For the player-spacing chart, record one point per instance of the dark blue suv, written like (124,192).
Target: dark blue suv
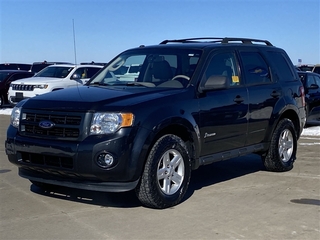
(311,83)
(193,102)
(8,76)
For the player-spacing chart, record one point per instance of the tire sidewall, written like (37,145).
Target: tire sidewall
(273,157)
(164,144)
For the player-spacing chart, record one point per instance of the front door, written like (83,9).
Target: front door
(223,112)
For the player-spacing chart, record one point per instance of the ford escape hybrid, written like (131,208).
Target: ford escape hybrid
(193,102)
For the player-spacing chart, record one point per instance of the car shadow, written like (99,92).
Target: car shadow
(202,177)
(223,171)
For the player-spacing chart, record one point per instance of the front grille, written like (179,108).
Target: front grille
(22,87)
(57,132)
(47,160)
(64,125)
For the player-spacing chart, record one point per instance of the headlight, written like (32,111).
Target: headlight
(41,86)
(15,117)
(104,123)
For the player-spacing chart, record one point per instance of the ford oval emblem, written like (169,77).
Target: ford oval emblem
(46,124)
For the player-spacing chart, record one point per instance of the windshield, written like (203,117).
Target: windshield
(55,72)
(150,68)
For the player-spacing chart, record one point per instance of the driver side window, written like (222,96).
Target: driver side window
(224,65)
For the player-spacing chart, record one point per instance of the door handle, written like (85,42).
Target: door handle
(275,94)
(238,99)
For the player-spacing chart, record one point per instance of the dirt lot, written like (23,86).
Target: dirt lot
(235,199)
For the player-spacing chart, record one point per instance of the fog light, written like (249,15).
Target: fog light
(105,160)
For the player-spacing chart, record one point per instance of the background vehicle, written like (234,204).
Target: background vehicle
(311,83)
(38,66)
(51,78)
(316,68)
(194,102)
(6,77)
(15,66)
(93,63)
(128,72)
(305,67)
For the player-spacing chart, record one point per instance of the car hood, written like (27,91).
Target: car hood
(37,80)
(94,98)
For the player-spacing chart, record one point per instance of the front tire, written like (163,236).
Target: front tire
(282,151)
(166,175)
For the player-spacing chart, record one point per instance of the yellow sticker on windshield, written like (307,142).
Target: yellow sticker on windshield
(235,79)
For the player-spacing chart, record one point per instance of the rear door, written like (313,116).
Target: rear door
(264,93)
(312,91)
(223,112)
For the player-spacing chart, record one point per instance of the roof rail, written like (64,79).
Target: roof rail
(217,40)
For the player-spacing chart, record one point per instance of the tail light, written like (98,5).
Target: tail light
(302,94)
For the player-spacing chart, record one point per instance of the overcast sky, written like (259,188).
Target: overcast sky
(37,30)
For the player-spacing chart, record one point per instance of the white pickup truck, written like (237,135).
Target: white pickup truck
(51,78)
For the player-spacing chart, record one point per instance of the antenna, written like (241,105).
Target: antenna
(74,43)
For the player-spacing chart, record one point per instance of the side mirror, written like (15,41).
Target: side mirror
(215,82)
(313,86)
(76,76)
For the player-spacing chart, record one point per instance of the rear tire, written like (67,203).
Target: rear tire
(166,175)
(282,151)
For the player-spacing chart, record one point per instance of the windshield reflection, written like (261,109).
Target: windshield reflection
(149,68)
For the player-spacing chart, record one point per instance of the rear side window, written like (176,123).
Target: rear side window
(283,68)
(256,69)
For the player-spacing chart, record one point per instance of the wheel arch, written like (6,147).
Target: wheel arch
(145,139)
(187,135)
(57,88)
(292,115)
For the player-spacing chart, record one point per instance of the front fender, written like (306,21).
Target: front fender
(152,128)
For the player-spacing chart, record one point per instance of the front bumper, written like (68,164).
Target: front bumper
(74,164)
(80,184)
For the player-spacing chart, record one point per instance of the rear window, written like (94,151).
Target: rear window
(283,67)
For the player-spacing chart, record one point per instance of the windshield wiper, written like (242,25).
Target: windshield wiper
(145,84)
